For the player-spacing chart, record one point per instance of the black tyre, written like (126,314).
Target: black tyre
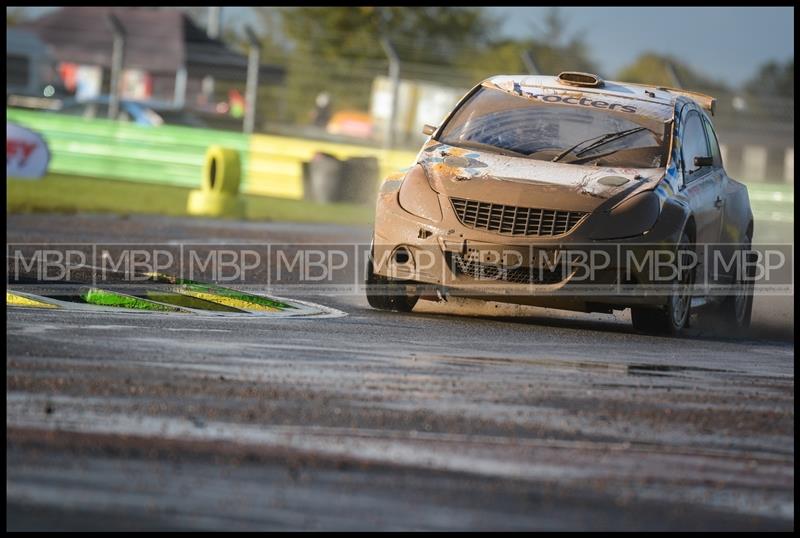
(672,318)
(736,309)
(387,294)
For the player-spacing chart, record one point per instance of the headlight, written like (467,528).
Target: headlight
(417,197)
(635,216)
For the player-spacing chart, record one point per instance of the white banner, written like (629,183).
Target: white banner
(27,155)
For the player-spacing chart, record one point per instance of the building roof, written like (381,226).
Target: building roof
(22,41)
(157,40)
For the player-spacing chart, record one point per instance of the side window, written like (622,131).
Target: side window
(713,142)
(694,145)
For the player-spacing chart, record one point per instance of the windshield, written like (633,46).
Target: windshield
(495,120)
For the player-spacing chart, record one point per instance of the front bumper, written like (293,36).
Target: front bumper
(569,271)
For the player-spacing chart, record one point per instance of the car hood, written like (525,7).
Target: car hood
(491,177)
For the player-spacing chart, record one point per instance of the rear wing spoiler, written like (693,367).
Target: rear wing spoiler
(705,101)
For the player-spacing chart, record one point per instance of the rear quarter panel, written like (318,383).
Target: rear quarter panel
(738,216)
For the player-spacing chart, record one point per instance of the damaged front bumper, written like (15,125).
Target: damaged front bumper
(570,271)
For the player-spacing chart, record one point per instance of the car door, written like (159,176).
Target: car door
(703,189)
(728,236)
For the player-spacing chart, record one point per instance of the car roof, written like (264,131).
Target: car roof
(653,94)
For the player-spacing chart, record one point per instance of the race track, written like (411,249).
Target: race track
(463,415)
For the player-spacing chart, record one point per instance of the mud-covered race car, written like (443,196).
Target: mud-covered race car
(528,174)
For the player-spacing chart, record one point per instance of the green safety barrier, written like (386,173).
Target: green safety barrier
(173,155)
(108,149)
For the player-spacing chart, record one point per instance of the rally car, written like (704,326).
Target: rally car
(526,168)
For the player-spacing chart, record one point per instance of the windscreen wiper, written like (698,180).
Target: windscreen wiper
(608,140)
(603,139)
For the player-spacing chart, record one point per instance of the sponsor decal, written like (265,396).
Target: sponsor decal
(27,154)
(660,111)
(584,101)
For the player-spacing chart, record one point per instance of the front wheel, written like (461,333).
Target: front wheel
(387,294)
(672,318)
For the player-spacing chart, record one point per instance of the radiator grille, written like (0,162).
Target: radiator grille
(461,265)
(514,220)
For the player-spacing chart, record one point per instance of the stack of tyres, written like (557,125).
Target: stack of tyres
(219,194)
(360,177)
(327,179)
(324,177)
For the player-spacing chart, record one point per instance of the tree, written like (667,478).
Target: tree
(551,50)
(773,79)
(338,49)
(429,34)
(505,57)
(555,25)
(660,70)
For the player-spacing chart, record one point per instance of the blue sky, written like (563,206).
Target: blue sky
(725,43)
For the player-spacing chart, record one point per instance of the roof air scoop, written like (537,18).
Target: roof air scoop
(576,78)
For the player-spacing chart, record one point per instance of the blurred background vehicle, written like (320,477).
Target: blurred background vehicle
(31,75)
(350,123)
(141,113)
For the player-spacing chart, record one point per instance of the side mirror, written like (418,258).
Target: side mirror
(703,161)
(428,129)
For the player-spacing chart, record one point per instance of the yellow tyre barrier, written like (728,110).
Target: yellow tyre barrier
(215,204)
(222,170)
(219,193)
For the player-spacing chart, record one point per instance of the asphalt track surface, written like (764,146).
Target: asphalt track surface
(458,416)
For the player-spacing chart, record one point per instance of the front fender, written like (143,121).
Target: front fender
(672,221)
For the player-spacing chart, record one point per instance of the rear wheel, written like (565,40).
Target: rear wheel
(672,318)
(388,294)
(736,309)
